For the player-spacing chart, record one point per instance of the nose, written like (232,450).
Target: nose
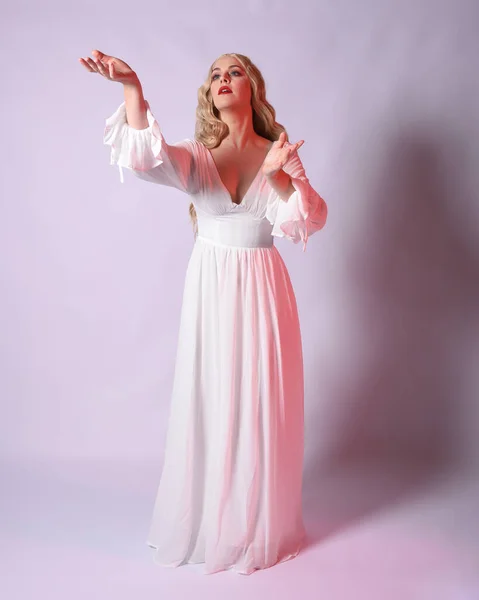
(223,79)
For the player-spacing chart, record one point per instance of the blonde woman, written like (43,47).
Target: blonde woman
(229,495)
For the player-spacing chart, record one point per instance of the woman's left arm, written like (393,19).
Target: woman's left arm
(294,207)
(281,183)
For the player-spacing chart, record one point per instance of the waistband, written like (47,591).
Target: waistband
(236,232)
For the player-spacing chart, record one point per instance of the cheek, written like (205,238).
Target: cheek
(244,86)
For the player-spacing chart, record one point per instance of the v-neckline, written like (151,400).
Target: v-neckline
(218,176)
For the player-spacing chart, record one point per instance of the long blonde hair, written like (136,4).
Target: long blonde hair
(210,130)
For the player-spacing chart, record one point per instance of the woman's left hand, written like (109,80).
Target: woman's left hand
(279,155)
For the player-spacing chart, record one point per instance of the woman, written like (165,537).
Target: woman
(230,490)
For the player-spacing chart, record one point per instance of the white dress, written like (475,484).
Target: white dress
(230,491)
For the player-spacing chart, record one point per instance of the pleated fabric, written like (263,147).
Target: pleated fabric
(229,495)
(230,490)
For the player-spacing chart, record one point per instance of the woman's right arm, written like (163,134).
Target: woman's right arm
(115,69)
(134,134)
(135,105)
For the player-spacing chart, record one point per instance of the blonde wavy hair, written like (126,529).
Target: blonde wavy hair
(210,130)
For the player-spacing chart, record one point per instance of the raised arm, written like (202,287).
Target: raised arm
(135,104)
(134,135)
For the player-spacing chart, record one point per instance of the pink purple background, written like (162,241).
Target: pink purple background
(385,95)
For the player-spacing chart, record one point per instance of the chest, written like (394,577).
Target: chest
(238,171)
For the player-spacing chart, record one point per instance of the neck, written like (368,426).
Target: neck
(241,132)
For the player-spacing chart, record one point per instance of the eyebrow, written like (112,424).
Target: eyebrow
(230,67)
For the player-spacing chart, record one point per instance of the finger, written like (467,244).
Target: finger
(86,65)
(101,68)
(99,55)
(92,64)
(282,139)
(296,146)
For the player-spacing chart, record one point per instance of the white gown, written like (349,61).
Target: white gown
(230,491)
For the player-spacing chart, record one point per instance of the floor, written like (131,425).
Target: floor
(77,530)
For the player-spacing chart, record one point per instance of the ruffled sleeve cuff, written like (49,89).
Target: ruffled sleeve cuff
(303,214)
(136,149)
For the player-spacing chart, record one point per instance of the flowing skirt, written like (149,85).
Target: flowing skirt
(230,491)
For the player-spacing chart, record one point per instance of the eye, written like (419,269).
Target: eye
(217,75)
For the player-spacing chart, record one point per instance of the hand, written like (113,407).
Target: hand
(113,69)
(279,155)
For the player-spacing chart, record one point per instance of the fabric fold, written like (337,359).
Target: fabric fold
(305,211)
(146,153)
(136,149)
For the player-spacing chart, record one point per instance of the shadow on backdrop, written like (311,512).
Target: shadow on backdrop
(399,419)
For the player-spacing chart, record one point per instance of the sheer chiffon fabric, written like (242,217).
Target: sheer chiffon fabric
(229,495)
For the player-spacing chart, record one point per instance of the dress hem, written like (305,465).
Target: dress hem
(204,571)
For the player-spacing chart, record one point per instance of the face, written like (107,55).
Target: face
(227,71)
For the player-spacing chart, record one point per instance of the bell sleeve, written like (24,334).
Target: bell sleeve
(305,211)
(146,153)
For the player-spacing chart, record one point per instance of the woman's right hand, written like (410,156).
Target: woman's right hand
(113,69)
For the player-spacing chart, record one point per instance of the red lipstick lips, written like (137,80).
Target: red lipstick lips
(224,87)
